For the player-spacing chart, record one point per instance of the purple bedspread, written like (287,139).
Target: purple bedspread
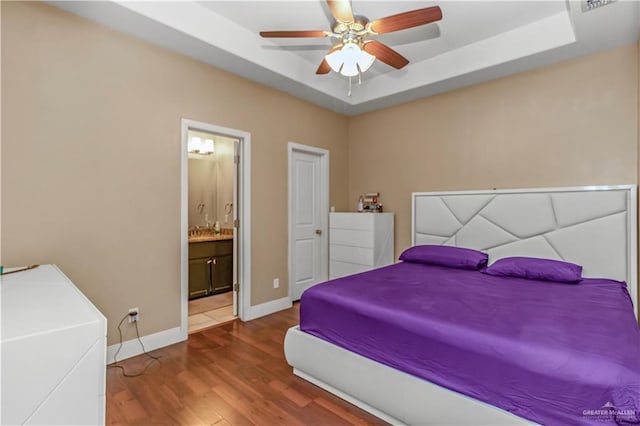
(549,352)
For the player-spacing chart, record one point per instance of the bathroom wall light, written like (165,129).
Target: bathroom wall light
(207,147)
(196,145)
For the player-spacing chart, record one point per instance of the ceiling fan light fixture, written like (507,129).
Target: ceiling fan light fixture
(350,60)
(347,57)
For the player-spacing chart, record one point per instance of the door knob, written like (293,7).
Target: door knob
(318,231)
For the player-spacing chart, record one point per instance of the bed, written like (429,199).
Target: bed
(594,227)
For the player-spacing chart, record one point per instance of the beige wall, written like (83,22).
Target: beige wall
(106,207)
(555,126)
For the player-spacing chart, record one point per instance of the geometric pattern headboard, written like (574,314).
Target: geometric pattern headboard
(595,227)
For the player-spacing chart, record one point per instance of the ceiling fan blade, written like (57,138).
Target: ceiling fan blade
(405,20)
(324,67)
(293,34)
(385,54)
(341,10)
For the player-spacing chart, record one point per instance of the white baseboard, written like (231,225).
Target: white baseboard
(267,308)
(131,348)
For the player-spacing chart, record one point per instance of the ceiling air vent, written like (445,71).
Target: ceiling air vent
(588,5)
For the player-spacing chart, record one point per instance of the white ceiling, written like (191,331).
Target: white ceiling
(475,41)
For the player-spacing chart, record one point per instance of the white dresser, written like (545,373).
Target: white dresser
(359,242)
(53,351)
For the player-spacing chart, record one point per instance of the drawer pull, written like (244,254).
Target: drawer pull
(318,231)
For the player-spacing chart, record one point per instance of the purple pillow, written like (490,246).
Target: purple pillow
(534,268)
(453,257)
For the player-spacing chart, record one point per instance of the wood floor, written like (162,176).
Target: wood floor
(234,374)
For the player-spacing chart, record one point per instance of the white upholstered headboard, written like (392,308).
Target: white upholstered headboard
(592,226)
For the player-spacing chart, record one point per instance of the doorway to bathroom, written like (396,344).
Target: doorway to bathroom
(214,237)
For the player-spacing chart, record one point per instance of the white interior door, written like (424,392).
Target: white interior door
(308,219)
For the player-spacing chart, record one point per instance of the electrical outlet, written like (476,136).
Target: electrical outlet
(276,282)
(134,314)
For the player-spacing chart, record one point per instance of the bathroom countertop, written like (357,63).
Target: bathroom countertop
(206,238)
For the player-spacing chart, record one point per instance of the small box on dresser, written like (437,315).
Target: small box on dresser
(53,351)
(359,242)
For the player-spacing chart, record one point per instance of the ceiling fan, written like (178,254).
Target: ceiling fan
(354,53)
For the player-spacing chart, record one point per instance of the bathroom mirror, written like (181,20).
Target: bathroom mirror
(210,179)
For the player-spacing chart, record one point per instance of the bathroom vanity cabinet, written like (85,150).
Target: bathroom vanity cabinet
(210,267)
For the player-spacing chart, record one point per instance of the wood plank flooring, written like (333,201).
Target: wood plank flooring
(234,374)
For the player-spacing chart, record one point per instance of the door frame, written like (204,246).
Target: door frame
(324,206)
(243,192)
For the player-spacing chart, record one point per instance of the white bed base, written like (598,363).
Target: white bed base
(392,395)
(593,226)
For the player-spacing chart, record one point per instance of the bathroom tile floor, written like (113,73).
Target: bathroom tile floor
(201,320)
